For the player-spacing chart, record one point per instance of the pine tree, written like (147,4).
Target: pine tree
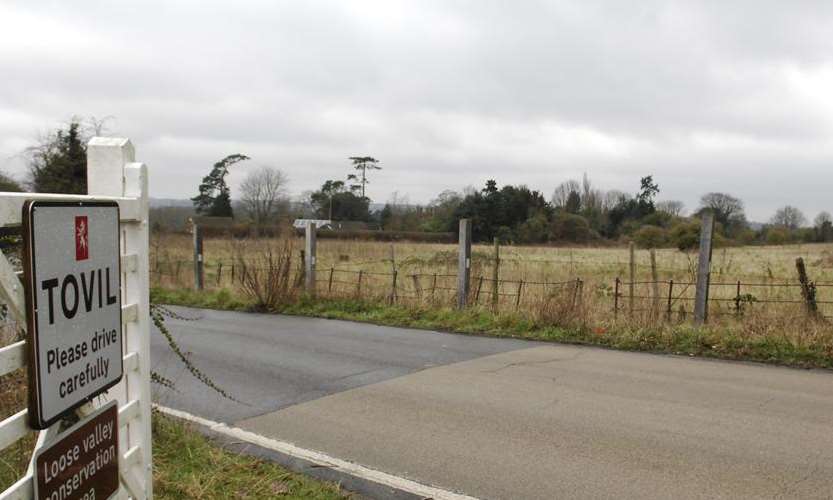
(59,163)
(215,197)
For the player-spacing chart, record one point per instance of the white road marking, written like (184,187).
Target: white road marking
(318,458)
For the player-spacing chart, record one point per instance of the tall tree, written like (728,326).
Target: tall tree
(363,164)
(336,201)
(9,185)
(671,207)
(561,194)
(262,192)
(573,205)
(788,217)
(823,224)
(59,163)
(647,192)
(215,197)
(728,211)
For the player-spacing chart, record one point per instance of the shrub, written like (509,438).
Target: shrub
(686,235)
(777,236)
(533,230)
(266,273)
(651,237)
(570,227)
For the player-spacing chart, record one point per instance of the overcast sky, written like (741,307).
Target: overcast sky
(706,96)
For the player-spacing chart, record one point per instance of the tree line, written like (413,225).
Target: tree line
(575,212)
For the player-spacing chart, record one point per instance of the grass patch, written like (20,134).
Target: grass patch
(215,299)
(761,343)
(186,464)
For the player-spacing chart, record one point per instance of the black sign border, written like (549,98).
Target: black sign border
(36,420)
(49,444)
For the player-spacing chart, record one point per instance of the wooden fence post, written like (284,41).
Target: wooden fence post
(654,284)
(309,261)
(219,272)
(575,293)
(198,259)
(477,292)
(701,299)
(302,271)
(330,280)
(496,276)
(464,264)
(417,287)
(631,248)
(616,298)
(808,288)
(670,299)
(518,297)
(737,300)
(393,287)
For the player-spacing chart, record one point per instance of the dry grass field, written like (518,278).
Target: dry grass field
(426,273)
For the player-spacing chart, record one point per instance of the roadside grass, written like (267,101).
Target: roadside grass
(15,459)
(750,341)
(187,464)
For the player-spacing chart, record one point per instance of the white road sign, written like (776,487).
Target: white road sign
(73,299)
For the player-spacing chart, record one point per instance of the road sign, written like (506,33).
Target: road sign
(73,301)
(84,462)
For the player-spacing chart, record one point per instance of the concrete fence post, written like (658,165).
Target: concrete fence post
(701,298)
(309,259)
(464,264)
(199,264)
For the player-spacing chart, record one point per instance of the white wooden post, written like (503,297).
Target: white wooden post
(309,259)
(111,171)
(111,176)
(464,264)
(701,298)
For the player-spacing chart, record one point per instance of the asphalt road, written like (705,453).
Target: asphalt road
(505,419)
(269,362)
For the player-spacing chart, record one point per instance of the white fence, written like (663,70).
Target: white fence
(112,175)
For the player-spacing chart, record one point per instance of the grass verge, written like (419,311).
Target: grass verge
(187,464)
(720,341)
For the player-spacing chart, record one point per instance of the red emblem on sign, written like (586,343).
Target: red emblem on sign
(82,240)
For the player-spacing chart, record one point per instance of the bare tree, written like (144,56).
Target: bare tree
(672,207)
(727,209)
(788,217)
(263,192)
(591,199)
(822,218)
(612,198)
(562,193)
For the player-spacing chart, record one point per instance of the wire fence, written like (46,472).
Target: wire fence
(667,299)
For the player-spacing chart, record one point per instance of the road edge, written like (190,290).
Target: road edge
(353,477)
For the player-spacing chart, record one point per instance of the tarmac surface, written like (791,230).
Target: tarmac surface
(508,419)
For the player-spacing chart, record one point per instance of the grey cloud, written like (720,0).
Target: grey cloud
(705,95)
